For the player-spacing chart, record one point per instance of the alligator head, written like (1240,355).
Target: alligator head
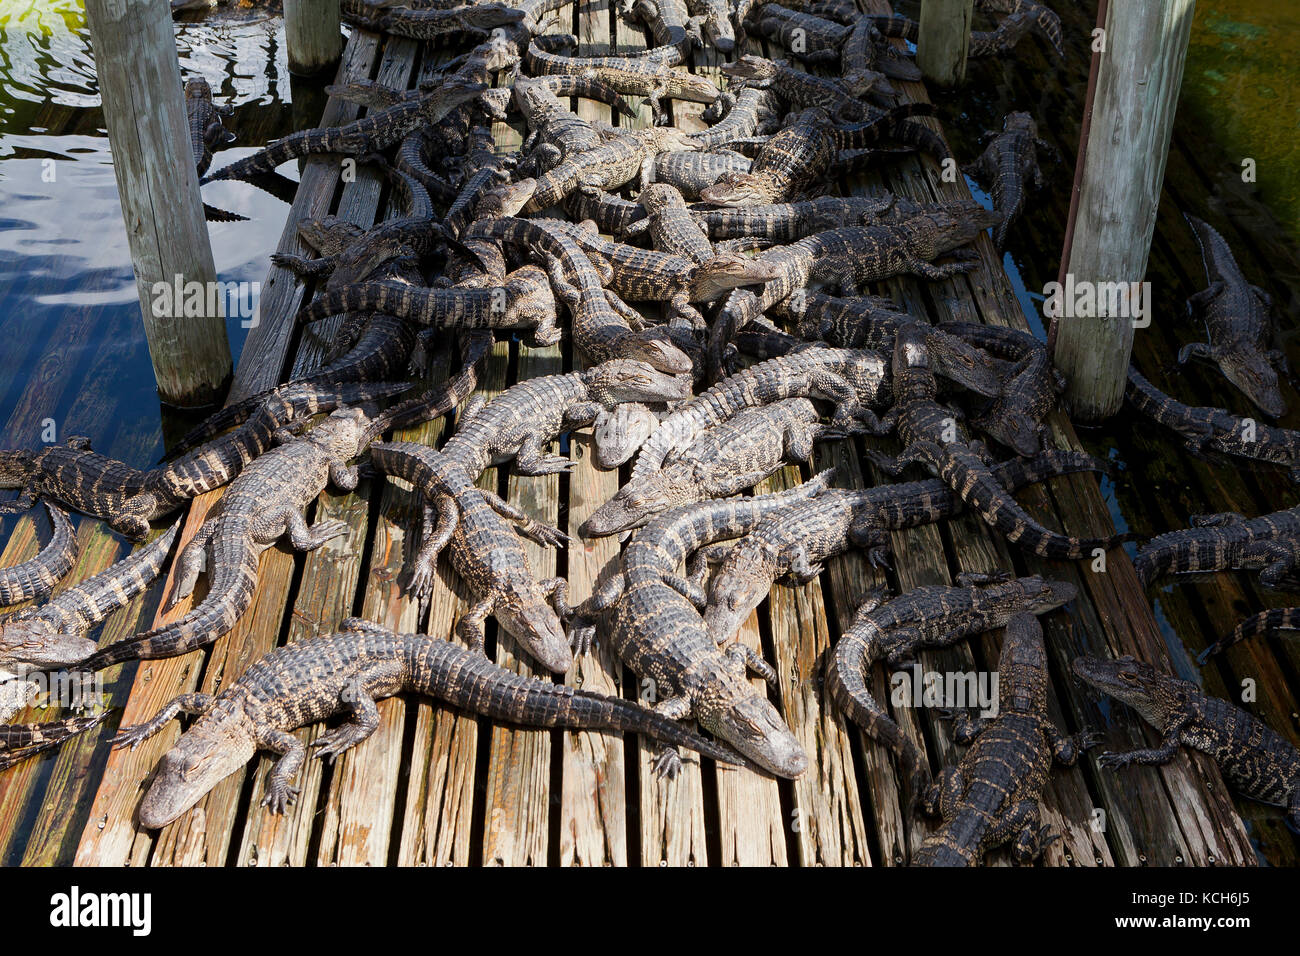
(1012,428)
(665,139)
(487,15)
(529,299)
(1042,595)
(453,91)
(724,272)
(1152,694)
(630,380)
(620,431)
(751,70)
(737,587)
(1254,375)
(505,200)
(1019,120)
(28,643)
(955,224)
(537,627)
(656,197)
(744,718)
(734,190)
(636,503)
(329,235)
(211,750)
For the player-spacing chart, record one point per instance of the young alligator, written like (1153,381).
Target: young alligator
(1008,164)
(932,616)
(784,223)
(992,796)
(1030,389)
(1047,22)
(1214,429)
(983,43)
(655,629)
(728,458)
(262,505)
(784,168)
(671,226)
(795,543)
(600,328)
(694,172)
(428,23)
(1241,329)
(1255,760)
(750,112)
(35,578)
(369,134)
(854,380)
(1269,544)
(930,434)
(308,680)
(204,118)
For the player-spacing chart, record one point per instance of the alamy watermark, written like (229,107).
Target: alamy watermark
(1081,298)
(947,689)
(190,300)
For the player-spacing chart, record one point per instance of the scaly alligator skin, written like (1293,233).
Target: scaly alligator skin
(992,796)
(867,51)
(36,577)
(853,256)
(655,78)
(1237,315)
(1008,164)
(1273,619)
(429,23)
(370,134)
(308,680)
(618,433)
(1213,429)
(669,24)
(20,741)
(523,418)
(983,43)
(612,214)
(854,380)
(1268,544)
(204,118)
(864,321)
(926,617)
(262,505)
(480,529)
(612,164)
(750,111)
(556,132)
(796,542)
(54,635)
(784,168)
(728,458)
(789,222)
(696,171)
(655,629)
(1047,22)
(600,326)
(525,302)
(1254,759)
(715,21)
(812,39)
(930,434)
(671,226)
(1015,416)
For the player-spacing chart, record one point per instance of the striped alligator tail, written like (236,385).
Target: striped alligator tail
(20,741)
(36,577)
(1274,619)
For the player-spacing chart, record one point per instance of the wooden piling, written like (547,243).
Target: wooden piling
(943,40)
(1122,164)
(312,34)
(140,85)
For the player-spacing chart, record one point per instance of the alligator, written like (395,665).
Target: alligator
(1046,21)
(860,321)
(783,169)
(480,528)
(670,225)
(853,379)
(1214,429)
(612,214)
(784,223)
(1218,542)
(866,51)
(651,76)
(310,679)
(555,131)
(1008,164)
(263,504)
(993,794)
(714,17)
(35,578)
(983,43)
(728,458)
(204,118)
(749,112)
(669,23)
(428,23)
(370,134)
(1241,328)
(524,302)
(1254,759)
(853,256)
(694,172)
(1032,385)
(931,434)
(619,432)
(655,629)
(601,326)
(813,39)
(796,543)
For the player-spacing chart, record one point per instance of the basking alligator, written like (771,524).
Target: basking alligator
(308,680)
(655,629)
(1241,329)
(796,542)
(728,458)
(926,617)
(1047,22)
(35,578)
(1269,544)
(1008,165)
(204,119)
(930,434)
(992,796)
(1254,759)
(1213,429)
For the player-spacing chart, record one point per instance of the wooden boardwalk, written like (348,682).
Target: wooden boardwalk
(433,787)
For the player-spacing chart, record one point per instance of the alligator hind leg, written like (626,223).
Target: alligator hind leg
(287,519)
(358,695)
(1277,558)
(192,562)
(533,530)
(943,793)
(26,498)
(532,460)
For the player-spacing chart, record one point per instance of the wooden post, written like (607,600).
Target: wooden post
(943,37)
(144,110)
(1122,169)
(313,35)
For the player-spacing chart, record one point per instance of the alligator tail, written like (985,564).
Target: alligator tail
(1274,619)
(20,741)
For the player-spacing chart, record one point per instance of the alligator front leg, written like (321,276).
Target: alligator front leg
(1145,755)
(965,728)
(801,569)
(532,460)
(26,498)
(688,589)
(303,267)
(280,791)
(743,657)
(184,704)
(557,592)
(470,627)
(358,695)
(1195,350)
(530,528)
(1067,747)
(343,476)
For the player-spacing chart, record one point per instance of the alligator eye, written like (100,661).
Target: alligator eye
(1128,676)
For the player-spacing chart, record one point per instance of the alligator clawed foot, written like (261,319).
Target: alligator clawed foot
(581,636)
(131,736)
(668,763)
(279,798)
(1113,760)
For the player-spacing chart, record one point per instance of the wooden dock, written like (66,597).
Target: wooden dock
(433,787)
